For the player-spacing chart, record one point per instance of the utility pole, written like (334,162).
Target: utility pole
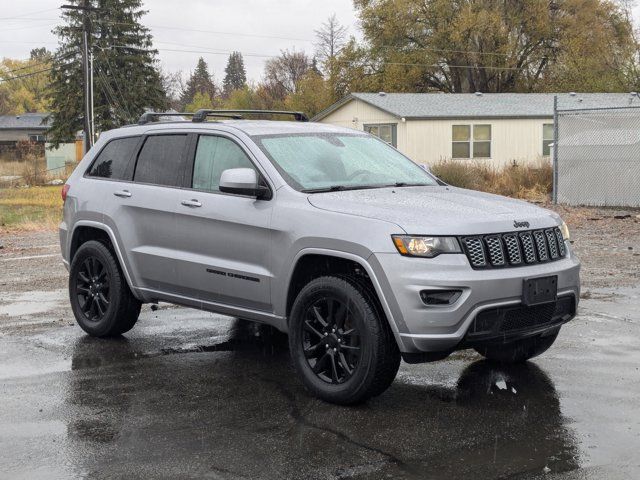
(87,70)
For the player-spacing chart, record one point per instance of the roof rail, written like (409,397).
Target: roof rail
(201,115)
(148,117)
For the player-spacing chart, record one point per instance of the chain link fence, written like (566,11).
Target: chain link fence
(597,157)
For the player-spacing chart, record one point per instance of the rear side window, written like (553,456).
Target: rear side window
(113,160)
(160,160)
(213,156)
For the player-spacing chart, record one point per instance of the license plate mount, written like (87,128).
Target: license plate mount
(539,290)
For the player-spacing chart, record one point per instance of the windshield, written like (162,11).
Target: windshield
(340,161)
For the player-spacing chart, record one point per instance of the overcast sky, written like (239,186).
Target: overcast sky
(257,28)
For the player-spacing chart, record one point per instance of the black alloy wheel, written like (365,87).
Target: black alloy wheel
(101,300)
(340,341)
(331,340)
(92,288)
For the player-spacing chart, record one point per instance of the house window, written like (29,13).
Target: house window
(471,141)
(36,138)
(547,139)
(386,132)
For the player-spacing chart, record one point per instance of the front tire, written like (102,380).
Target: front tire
(520,350)
(100,297)
(340,343)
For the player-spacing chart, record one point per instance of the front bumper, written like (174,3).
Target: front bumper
(421,328)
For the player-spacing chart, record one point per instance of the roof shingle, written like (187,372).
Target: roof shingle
(28,121)
(486,105)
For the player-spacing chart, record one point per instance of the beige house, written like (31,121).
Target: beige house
(500,128)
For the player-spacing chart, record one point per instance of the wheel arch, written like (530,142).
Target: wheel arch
(313,262)
(85,230)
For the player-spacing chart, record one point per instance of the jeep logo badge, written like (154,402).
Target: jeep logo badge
(517,224)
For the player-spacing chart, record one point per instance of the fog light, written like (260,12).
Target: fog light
(440,297)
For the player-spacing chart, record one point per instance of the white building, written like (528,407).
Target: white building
(497,127)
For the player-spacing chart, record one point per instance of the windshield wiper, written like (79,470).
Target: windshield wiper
(407,184)
(338,188)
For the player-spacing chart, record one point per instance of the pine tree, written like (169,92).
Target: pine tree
(126,77)
(235,77)
(200,82)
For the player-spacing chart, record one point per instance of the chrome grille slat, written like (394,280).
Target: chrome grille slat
(552,243)
(475,252)
(529,250)
(561,248)
(541,245)
(514,249)
(496,253)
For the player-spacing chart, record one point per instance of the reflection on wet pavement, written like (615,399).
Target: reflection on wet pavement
(217,398)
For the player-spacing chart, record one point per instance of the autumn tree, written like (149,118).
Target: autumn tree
(313,94)
(596,48)
(490,45)
(25,83)
(235,75)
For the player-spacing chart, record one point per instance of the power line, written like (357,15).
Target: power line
(46,62)
(18,77)
(216,32)
(30,13)
(402,64)
(28,27)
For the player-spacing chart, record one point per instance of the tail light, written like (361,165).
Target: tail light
(65,190)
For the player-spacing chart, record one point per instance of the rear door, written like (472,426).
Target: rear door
(224,238)
(147,215)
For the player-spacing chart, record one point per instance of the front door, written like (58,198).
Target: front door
(224,238)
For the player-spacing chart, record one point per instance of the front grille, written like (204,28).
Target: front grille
(514,249)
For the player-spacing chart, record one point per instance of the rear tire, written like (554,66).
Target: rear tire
(520,350)
(100,297)
(340,342)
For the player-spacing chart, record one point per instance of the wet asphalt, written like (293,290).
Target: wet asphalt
(188,394)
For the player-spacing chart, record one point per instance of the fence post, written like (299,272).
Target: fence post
(554,194)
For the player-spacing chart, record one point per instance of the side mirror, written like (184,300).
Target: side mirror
(243,181)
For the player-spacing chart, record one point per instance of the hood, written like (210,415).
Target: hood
(438,210)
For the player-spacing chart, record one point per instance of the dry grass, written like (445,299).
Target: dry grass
(33,208)
(31,171)
(529,182)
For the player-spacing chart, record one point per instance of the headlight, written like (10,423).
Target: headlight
(414,246)
(565,231)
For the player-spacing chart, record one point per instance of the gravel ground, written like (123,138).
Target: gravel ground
(607,242)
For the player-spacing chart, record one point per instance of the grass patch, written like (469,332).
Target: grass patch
(34,208)
(529,182)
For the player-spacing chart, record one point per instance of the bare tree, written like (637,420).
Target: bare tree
(173,85)
(283,73)
(330,38)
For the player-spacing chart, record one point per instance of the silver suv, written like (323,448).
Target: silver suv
(325,233)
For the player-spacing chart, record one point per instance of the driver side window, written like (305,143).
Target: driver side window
(213,156)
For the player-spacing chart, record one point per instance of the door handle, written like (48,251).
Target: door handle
(122,193)
(191,203)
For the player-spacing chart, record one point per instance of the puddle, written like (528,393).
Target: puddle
(31,303)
